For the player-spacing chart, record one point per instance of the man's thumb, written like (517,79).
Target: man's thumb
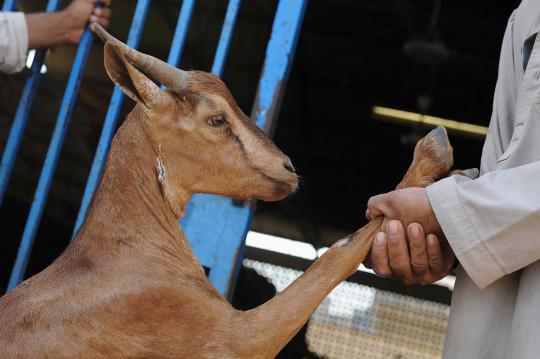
(380,206)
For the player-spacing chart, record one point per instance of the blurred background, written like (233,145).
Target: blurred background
(356,62)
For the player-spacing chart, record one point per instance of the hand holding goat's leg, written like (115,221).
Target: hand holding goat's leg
(420,254)
(282,316)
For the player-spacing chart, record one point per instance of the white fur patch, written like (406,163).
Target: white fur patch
(343,242)
(166,188)
(161,171)
(162,175)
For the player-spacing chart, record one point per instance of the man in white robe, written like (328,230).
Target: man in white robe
(492,224)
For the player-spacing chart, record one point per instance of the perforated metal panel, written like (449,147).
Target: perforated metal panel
(357,321)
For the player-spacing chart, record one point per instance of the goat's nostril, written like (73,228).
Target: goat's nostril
(289,167)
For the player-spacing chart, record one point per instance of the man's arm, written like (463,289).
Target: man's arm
(492,223)
(19,32)
(410,256)
(401,255)
(13,42)
(64,27)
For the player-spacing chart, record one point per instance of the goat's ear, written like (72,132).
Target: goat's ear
(130,80)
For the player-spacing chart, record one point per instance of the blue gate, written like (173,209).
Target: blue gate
(219,242)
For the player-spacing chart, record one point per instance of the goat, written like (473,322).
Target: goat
(129,285)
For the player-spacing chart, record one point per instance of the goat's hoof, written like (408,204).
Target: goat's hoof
(435,148)
(472,173)
(438,141)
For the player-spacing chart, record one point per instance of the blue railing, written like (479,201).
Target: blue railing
(225,37)
(53,153)
(218,240)
(111,119)
(25,104)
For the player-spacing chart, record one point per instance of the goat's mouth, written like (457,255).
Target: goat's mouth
(280,188)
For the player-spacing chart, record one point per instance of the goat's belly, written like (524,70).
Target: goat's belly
(81,341)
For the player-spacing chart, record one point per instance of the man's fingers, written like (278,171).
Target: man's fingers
(369,217)
(102,12)
(373,208)
(367,260)
(106,3)
(417,249)
(101,16)
(449,258)
(100,20)
(379,256)
(435,256)
(398,252)
(379,206)
(103,22)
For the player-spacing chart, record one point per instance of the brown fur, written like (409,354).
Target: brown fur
(129,284)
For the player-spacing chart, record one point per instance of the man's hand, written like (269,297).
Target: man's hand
(82,12)
(408,205)
(65,27)
(411,257)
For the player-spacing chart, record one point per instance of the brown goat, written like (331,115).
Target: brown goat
(129,284)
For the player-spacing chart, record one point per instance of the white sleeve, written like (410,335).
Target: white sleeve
(492,223)
(13,41)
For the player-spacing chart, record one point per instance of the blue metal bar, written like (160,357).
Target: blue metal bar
(53,153)
(216,229)
(240,215)
(225,37)
(111,119)
(25,104)
(278,61)
(9,5)
(180,32)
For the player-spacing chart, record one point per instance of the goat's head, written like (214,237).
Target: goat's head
(205,143)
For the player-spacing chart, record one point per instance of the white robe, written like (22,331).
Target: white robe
(493,223)
(13,42)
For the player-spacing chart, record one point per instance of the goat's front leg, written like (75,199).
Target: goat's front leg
(274,323)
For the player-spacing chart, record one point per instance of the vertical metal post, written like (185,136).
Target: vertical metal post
(53,153)
(215,227)
(278,62)
(205,251)
(180,32)
(111,119)
(25,104)
(225,37)
(9,5)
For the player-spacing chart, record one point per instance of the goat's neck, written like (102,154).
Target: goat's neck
(130,204)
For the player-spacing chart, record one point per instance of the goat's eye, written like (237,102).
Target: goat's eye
(217,121)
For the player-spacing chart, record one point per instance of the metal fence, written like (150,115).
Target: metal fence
(214,225)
